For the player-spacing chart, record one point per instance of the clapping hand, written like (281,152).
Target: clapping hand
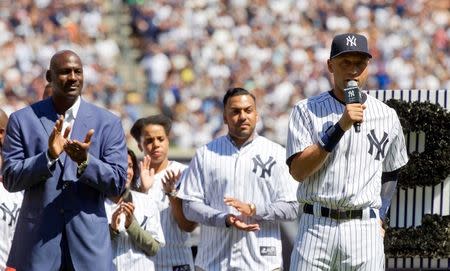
(170,180)
(147,174)
(126,208)
(78,151)
(57,139)
(236,222)
(243,208)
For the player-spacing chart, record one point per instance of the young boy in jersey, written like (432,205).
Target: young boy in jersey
(159,178)
(238,187)
(341,169)
(134,225)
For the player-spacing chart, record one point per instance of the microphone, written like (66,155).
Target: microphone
(352,95)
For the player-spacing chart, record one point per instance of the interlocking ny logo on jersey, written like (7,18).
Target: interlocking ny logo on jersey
(265,167)
(351,41)
(380,145)
(10,214)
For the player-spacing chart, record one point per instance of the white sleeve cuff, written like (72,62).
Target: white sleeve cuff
(50,162)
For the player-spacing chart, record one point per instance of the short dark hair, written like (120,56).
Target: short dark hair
(159,119)
(231,92)
(134,183)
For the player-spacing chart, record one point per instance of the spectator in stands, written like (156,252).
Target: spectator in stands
(202,46)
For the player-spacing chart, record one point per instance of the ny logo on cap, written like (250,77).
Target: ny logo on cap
(351,41)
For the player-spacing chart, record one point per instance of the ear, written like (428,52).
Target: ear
(330,66)
(48,76)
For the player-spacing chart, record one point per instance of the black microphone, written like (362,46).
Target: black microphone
(352,95)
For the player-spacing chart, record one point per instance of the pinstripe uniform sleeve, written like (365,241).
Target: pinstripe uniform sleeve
(286,187)
(397,155)
(299,131)
(192,192)
(192,180)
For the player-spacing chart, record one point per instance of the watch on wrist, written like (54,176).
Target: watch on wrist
(172,193)
(252,209)
(82,166)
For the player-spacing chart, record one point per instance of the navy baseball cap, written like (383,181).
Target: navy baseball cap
(347,43)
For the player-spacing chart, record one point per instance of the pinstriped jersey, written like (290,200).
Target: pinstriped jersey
(351,176)
(176,251)
(128,256)
(254,173)
(9,211)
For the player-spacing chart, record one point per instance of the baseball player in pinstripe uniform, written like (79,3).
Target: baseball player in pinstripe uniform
(159,178)
(340,170)
(9,205)
(238,187)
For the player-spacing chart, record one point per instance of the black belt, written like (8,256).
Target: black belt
(338,214)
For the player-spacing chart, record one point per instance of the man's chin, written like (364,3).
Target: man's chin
(242,136)
(73,94)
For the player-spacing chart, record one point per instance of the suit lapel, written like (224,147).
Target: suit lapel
(47,115)
(82,121)
(79,131)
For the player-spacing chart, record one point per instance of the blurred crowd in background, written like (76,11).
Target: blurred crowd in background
(191,51)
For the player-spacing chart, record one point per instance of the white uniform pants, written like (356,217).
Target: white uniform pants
(323,243)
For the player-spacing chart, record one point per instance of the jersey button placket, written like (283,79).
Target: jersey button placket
(239,194)
(238,178)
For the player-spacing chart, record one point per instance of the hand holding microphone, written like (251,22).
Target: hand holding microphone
(353,113)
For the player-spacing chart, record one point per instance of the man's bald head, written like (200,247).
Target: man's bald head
(58,56)
(65,76)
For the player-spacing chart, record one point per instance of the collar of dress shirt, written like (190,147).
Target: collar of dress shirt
(73,110)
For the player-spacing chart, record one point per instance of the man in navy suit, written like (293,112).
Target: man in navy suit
(67,155)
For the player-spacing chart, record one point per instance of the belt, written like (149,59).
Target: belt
(338,214)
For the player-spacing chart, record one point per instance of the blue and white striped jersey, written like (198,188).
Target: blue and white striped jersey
(255,173)
(351,176)
(177,251)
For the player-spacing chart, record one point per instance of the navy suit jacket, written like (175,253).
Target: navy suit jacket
(56,199)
